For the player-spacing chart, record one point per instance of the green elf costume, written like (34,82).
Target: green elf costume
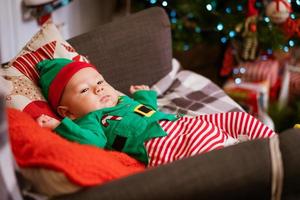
(124,127)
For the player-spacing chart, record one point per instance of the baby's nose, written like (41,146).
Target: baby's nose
(98,89)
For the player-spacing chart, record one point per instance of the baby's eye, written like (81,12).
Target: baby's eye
(84,90)
(99,82)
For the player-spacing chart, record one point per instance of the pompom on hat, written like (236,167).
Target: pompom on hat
(55,75)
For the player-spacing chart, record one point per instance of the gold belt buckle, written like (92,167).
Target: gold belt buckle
(143,110)
(297,126)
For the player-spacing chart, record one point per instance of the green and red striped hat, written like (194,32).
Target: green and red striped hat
(54,76)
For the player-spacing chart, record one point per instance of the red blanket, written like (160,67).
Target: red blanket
(83,165)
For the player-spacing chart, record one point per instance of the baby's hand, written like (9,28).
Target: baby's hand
(135,88)
(47,122)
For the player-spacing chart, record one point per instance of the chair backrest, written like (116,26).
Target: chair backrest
(132,50)
(9,189)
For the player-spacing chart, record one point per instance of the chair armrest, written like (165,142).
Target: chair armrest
(289,146)
(242,171)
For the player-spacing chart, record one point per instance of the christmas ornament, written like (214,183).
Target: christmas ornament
(250,32)
(238,28)
(278,11)
(252,96)
(289,28)
(228,62)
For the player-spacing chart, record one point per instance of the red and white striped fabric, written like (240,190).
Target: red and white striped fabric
(109,117)
(47,43)
(261,70)
(189,136)
(27,62)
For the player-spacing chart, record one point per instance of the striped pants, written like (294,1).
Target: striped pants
(189,136)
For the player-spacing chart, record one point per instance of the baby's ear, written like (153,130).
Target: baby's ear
(64,112)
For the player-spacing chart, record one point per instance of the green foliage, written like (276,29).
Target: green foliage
(284,117)
(197,20)
(270,36)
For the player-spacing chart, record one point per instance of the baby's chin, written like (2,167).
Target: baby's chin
(108,104)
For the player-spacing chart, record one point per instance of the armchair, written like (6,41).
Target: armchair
(137,50)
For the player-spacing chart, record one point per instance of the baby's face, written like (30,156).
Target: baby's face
(85,92)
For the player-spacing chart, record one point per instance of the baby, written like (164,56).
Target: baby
(95,113)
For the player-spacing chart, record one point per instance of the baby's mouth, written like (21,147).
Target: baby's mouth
(104,98)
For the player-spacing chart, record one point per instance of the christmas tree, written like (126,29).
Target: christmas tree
(250,31)
(273,24)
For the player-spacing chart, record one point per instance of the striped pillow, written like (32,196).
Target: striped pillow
(45,44)
(21,73)
(26,63)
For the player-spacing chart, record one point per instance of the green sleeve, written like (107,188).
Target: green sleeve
(92,135)
(146,97)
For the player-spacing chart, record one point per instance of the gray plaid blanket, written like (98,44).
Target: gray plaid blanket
(188,93)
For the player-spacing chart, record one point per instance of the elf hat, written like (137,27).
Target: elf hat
(54,76)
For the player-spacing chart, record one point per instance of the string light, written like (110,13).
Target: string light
(239,7)
(291,43)
(238,81)
(197,29)
(293,16)
(285,49)
(236,71)
(209,7)
(242,70)
(258,4)
(232,34)
(164,3)
(153,1)
(173,20)
(298,2)
(264,57)
(186,47)
(190,15)
(269,51)
(267,19)
(173,13)
(220,27)
(228,10)
(223,39)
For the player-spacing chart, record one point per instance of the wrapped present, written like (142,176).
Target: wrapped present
(249,91)
(252,96)
(290,87)
(247,98)
(295,81)
(261,70)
